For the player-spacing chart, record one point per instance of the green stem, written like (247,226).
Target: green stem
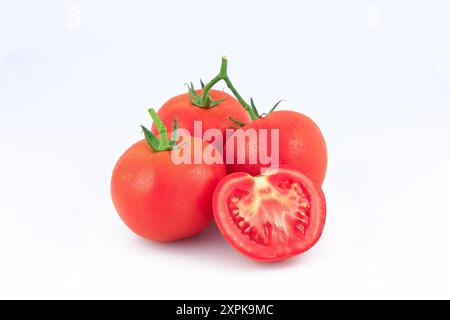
(241,100)
(162,130)
(221,76)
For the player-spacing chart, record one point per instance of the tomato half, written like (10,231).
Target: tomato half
(270,217)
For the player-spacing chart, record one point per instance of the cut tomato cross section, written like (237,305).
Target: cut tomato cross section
(270,217)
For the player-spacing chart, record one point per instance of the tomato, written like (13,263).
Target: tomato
(159,198)
(216,117)
(269,217)
(301,145)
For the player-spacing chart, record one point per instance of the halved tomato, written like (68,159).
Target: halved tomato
(270,217)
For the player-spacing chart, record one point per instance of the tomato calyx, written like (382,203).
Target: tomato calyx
(198,100)
(162,143)
(205,101)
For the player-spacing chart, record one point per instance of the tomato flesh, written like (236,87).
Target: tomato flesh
(270,217)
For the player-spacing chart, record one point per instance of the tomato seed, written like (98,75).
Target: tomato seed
(302,216)
(283,236)
(243,223)
(304,204)
(298,224)
(267,230)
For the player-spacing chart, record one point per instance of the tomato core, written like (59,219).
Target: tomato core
(271,213)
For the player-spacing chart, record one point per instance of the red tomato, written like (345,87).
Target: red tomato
(160,200)
(301,145)
(269,217)
(216,117)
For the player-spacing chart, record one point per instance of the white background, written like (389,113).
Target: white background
(375,75)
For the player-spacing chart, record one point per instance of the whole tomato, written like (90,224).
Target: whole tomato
(157,198)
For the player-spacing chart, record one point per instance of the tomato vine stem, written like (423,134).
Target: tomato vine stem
(223,75)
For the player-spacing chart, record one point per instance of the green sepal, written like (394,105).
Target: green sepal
(151,139)
(275,106)
(196,99)
(214,103)
(255,111)
(239,123)
(181,144)
(174,136)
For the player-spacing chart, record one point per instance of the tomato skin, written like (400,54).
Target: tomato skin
(215,117)
(270,250)
(301,145)
(160,200)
